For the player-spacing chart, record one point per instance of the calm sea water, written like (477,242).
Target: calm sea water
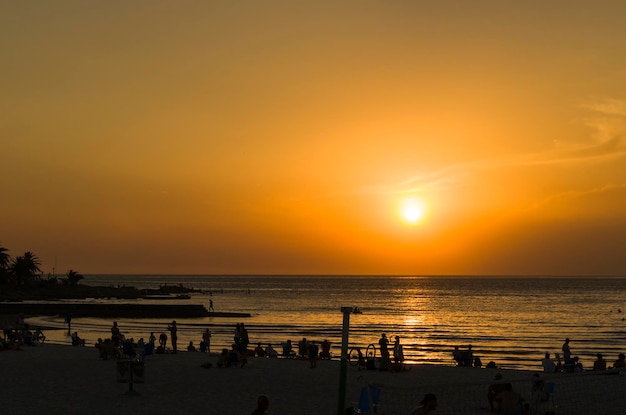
(512,321)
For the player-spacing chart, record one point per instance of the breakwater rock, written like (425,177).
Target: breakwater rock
(113,310)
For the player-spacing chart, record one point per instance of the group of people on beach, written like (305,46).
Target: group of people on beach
(19,333)
(574,365)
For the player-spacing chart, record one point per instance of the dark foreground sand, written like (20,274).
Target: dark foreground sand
(55,379)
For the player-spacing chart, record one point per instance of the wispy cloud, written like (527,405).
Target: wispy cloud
(608,119)
(577,194)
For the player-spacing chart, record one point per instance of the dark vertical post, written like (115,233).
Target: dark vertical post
(343,368)
(130,379)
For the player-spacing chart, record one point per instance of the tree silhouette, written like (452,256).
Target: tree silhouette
(24,268)
(73,277)
(5,262)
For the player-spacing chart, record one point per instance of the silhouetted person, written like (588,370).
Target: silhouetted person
(173,335)
(262,404)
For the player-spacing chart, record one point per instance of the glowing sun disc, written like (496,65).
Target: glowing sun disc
(413,210)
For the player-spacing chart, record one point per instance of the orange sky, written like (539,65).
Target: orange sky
(281,137)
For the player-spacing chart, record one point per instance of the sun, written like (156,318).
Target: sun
(413,210)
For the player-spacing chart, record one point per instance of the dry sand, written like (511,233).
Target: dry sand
(56,379)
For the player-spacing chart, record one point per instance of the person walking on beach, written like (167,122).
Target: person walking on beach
(173,335)
(211,306)
(427,405)
(68,320)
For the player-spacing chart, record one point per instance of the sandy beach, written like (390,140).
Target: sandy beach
(71,380)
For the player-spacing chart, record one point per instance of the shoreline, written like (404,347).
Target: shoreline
(74,380)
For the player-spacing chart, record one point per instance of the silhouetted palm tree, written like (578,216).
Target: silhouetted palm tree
(73,277)
(24,268)
(5,262)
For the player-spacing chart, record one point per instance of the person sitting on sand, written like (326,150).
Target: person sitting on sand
(600,363)
(456,355)
(100,346)
(287,349)
(548,364)
(163,340)
(191,347)
(303,347)
(621,361)
(262,404)
(259,351)
(428,404)
(325,353)
(77,341)
(559,364)
(270,351)
(578,366)
(224,359)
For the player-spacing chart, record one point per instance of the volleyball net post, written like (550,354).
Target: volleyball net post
(343,368)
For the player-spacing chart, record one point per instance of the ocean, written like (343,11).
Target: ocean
(512,321)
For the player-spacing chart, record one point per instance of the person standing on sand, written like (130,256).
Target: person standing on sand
(383,342)
(206,337)
(398,352)
(428,404)
(173,335)
(116,335)
(567,353)
(68,320)
(211,306)
(262,404)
